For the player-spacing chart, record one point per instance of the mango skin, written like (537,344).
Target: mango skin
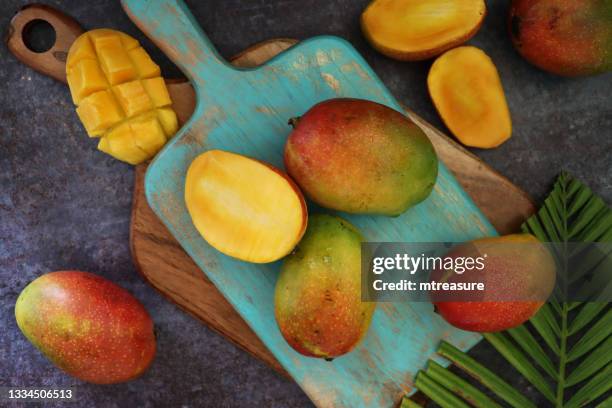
(317,298)
(564,37)
(88,326)
(361,157)
(505,271)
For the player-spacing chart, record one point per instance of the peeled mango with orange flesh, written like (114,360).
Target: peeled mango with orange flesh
(244,208)
(120,96)
(416,29)
(465,88)
(88,326)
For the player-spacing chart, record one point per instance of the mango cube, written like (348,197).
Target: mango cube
(120,95)
(83,49)
(144,64)
(133,98)
(127,41)
(85,78)
(168,120)
(120,144)
(148,134)
(115,60)
(156,88)
(98,112)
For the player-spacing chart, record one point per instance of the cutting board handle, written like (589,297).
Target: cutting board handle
(53,61)
(172,27)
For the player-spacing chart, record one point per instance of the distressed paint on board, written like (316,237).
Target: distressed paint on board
(246,111)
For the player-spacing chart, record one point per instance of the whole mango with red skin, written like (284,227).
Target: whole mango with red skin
(519,274)
(88,326)
(360,157)
(564,37)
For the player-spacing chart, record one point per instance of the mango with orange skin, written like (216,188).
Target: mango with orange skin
(88,326)
(564,37)
(317,298)
(519,274)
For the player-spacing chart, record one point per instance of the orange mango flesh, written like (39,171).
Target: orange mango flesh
(244,208)
(467,92)
(120,95)
(417,29)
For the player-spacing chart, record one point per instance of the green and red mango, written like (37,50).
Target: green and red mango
(317,298)
(88,326)
(564,37)
(359,156)
(519,274)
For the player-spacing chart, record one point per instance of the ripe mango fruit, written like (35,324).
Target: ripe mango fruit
(317,297)
(244,208)
(87,326)
(120,95)
(564,37)
(359,156)
(519,274)
(412,30)
(465,87)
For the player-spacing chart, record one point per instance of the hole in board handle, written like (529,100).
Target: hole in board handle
(38,36)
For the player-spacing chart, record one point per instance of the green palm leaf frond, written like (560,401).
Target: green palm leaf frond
(565,350)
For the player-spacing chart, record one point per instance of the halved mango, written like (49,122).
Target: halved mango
(467,92)
(120,96)
(414,30)
(244,208)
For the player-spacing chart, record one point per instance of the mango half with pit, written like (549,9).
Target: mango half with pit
(120,96)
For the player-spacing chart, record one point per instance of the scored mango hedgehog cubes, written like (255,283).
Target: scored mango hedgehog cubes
(120,96)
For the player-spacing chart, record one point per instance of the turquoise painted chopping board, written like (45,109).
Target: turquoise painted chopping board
(246,111)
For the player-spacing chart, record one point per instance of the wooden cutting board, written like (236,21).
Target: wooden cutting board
(160,259)
(245,111)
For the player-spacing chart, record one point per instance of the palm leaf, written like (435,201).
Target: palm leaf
(565,350)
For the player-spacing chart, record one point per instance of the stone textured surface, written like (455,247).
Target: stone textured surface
(63,205)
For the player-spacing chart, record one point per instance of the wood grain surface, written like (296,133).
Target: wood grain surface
(53,61)
(163,263)
(245,111)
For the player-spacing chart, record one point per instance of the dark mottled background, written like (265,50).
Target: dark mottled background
(64,205)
